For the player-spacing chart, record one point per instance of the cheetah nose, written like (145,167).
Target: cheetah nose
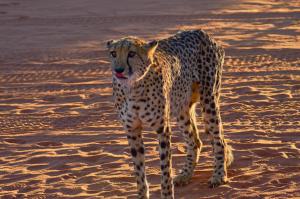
(119,69)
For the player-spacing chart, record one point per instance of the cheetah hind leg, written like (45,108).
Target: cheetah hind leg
(213,181)
(187,123)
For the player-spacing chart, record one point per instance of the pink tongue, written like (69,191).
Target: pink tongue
(119,75)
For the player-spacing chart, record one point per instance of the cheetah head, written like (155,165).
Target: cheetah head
(131,58)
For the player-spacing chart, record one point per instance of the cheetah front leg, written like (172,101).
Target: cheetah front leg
(188,126)
(164,136)
(137,151)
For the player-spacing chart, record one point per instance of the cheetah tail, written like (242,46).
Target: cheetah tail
(229,155)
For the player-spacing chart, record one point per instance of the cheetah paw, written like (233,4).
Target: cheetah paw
(182,179)
(216,181)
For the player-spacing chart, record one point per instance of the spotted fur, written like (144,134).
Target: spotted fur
(155,81)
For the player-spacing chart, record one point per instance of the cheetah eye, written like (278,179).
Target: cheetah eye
(131,54)
(113,54)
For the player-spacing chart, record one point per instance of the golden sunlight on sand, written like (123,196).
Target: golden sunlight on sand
(59,133)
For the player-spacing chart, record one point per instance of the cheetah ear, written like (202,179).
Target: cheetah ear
(109,43)
(151,47)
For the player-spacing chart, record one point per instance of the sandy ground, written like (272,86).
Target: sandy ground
(60,137)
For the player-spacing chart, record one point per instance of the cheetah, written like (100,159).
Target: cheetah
(156,81)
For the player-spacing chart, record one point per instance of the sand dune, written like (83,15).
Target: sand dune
(60,136)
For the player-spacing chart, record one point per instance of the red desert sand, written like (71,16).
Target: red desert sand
(60,136)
